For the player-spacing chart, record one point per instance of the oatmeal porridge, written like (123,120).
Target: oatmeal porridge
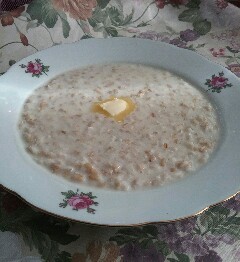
(167,128)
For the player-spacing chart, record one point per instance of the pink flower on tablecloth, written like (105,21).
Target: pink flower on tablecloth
(35,68)
(79,201)
(221,4)
(217,83)
(217,52)
(160,3)
(235,68)
(81,9)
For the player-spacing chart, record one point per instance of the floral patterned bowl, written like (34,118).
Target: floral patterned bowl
(217,180)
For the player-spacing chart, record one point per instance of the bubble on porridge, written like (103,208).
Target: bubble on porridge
(161,130)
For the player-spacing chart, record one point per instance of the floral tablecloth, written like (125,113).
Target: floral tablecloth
(208,27)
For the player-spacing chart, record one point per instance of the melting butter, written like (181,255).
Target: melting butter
(117,108)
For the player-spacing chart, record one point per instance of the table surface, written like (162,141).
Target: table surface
(210,28)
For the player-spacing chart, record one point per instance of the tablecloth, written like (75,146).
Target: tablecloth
(208,27)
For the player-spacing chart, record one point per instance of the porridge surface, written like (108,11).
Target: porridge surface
(171,132)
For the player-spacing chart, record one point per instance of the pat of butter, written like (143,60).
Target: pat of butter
(115,106)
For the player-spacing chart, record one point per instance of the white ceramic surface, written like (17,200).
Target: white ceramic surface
(216,181)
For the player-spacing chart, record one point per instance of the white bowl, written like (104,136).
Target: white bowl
(218,180)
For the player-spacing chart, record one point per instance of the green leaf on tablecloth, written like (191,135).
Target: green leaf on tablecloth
(219,209)
(92,22)
(230,60)
(134,231)
(218,220)
(20,215)
(107,22)
(210,220)
(144,237)
(63,257)
(44,12)
(128,18)
(232,50)
(115,16)
(50,15)
(200,45)
(151,230)
(103,3)
(182,257)
(47,248)
(126,235)
(12,62)
(111,31)
(108,18)
(234,220)
(38,231)
(145,243)
(142,24)
(202,26)
(34,9)
(231,229)
(26,234)
(98,17)
(193,4)
(55,230)
(122,239)
(65,25)
(230,226)
(189,15)
(162,247)
(86,37)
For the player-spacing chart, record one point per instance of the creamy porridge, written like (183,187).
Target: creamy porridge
(170,131)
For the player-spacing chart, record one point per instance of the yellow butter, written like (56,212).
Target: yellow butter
(115,106)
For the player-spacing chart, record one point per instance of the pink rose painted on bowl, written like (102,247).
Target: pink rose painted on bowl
(217,83)
(36,68)
(79,201)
